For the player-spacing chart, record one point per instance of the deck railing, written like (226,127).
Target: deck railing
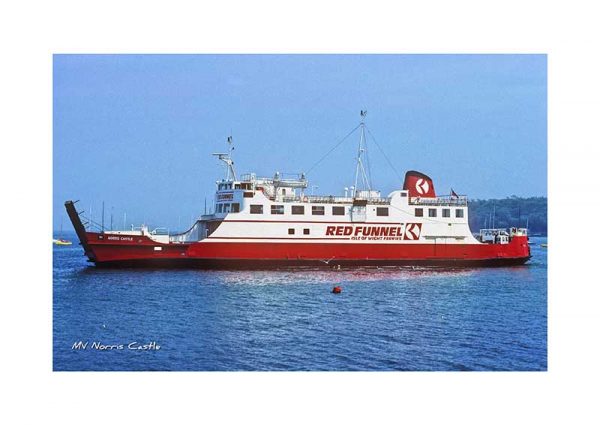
(315,199)
(160,231)
(440,200)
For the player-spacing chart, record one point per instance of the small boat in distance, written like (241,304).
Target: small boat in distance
(60,240)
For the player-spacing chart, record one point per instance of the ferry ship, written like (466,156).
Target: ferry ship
(260,222)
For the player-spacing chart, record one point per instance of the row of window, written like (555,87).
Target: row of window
(229,186)
(225,208)
(296,210)
(320,210)
(432,212)
(315,209)
(293,231)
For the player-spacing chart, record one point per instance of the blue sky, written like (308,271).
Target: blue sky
(137,131)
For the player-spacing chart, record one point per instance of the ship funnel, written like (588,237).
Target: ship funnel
(418,185)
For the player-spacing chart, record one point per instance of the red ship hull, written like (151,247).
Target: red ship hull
(207,254)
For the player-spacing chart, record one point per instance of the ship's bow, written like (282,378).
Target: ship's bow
(79,229)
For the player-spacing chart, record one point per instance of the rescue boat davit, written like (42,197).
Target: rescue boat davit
(259,222)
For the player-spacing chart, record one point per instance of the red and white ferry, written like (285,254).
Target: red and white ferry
(271,222)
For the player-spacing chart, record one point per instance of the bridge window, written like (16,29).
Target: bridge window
(460,213)
(445,212)
(277,209)
(291,231)
(256,209)
(338,210)
(318,210)
(235,207)
(219,208)
(418,212)
(432,212)
(383,211)
(226,208)
(297,209)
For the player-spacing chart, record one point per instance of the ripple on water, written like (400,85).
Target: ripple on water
(384,319)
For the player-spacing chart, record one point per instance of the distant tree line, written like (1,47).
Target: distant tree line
(510,212)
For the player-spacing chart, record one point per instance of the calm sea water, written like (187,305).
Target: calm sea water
(385,319)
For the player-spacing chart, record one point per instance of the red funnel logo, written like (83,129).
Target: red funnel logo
(422,186)
(418,185)
(413,231)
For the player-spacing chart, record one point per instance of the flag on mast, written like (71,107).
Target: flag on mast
(453,193)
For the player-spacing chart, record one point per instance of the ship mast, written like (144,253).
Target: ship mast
(360,168)
(226,158)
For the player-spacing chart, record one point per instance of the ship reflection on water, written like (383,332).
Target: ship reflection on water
(304,275)
(307,275)
(337,276)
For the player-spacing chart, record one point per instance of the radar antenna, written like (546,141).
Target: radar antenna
(228,160)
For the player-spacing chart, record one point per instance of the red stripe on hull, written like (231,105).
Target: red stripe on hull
(141,249)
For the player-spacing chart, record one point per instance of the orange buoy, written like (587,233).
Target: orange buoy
(337,290)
